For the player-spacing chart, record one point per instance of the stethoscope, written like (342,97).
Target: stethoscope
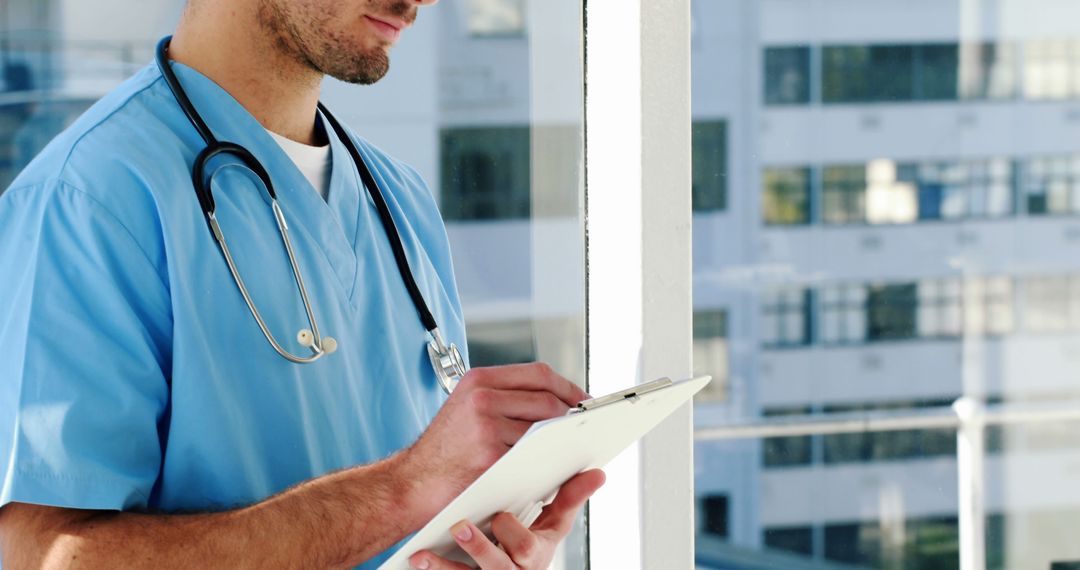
(445,359)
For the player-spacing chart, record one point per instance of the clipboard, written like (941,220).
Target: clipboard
(528,477)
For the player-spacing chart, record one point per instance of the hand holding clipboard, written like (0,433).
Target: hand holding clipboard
(550,453)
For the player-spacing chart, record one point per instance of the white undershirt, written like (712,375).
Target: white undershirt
(314,162)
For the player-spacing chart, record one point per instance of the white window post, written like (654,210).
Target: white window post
(639,267)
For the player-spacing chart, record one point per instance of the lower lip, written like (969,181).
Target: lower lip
(388,32)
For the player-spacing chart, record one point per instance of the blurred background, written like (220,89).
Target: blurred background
(887,219)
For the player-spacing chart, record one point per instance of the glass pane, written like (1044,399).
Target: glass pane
(787,79)
(786,195)
(925,206)
(483,100)
(710,176)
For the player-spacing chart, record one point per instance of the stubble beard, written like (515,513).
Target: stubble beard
(310,39)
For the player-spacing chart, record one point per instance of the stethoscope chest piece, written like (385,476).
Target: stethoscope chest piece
(447,361)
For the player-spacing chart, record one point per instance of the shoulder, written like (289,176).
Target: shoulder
(106,158)
(404,184)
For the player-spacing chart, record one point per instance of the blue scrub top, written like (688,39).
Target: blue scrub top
(132,374)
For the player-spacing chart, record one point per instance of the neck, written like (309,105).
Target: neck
(228,44)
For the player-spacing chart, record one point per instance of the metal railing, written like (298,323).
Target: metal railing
(968,416)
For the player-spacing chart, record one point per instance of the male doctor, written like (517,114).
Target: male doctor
(145,421)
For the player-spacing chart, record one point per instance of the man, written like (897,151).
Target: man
(134,382)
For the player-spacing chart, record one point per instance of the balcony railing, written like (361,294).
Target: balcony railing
(968,416)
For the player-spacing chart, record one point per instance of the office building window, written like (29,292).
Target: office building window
(485,173)
(1053,185)
(786,196)
(711,352)
(940,312)
(786,451)
(936,72)
(786,317)
(866,74)
(843,194)
(889,200)
(799,539)
(1052,69)
(891,312)
(988,71)
(716,512)
(843,314)
(919,543)
(994,315)
(710,165)
(917,72)
(1051,304)
(962,189)
(501,342)
(494,18)
(787,75)
(887,445)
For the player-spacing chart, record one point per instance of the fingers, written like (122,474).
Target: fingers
(523,546)
(531,377)
(480,548)
(510,431)
(425,560)
(520,404)
(558,517)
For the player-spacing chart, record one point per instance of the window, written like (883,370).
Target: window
(963,189)
(988,71)
(888,200)
(917,72)
(940,312)
(786,196)
(920,543)
(486,173)
(787,75)
(716,514)
(866,74)
(496,17)
(1052,68)
(786,315)
(937,68)
(1053,185)
(843,194)
(995,313)
(887,445)
(710,165)
(711,352)
(500,342)
(792,539)
(891,312)
(1051,304)
(787,451)
(843,314)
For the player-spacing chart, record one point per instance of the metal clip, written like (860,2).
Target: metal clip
(633,394)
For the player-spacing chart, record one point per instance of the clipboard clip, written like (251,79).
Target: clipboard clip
(632,394)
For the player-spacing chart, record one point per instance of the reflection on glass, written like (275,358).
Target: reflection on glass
(711,352)
(496,17)
(786,198)
(911,241)
(888,201)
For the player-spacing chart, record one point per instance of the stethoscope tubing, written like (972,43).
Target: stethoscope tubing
(445,359)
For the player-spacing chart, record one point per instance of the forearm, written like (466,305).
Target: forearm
(338,520)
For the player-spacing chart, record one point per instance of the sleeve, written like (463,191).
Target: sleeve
(85,331)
